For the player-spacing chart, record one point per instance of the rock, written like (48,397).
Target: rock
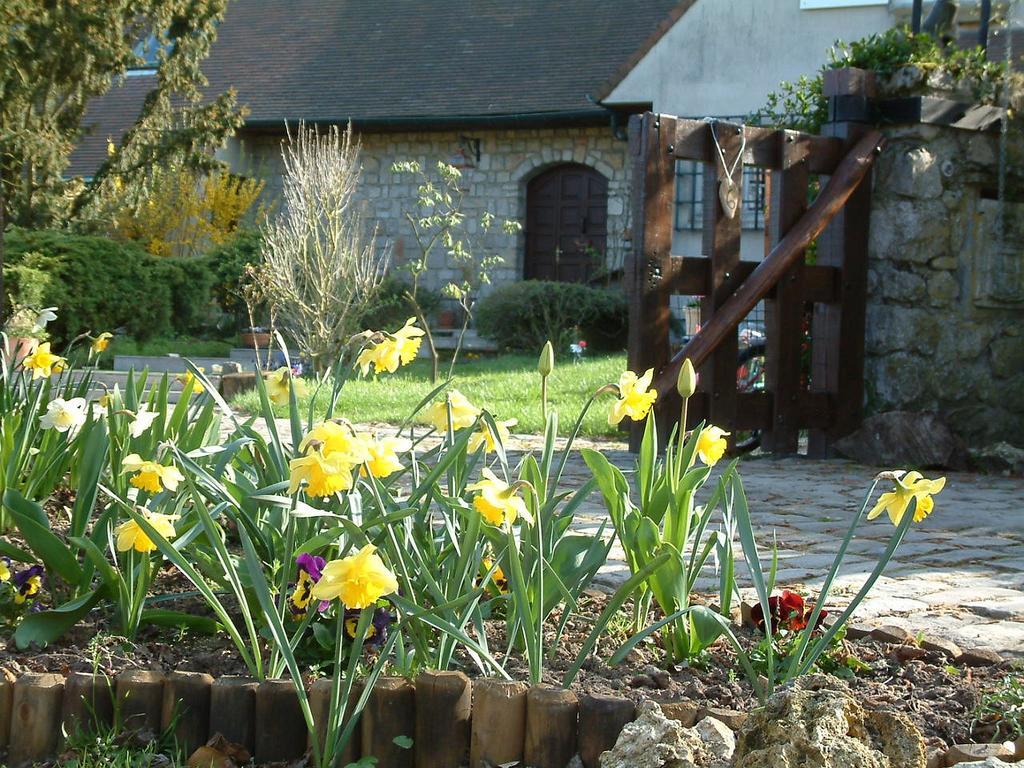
(947,648)
(718,739)
(915,174)
(959,754)
(1018,748)
(992,762)
(979,657)
(902,438)
(730,717)
(685,712)
(858,631)
(891,634)
(815,723)
(662,679)
(641,681)
(656,741)
(998,459)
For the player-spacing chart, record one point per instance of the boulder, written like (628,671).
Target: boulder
(999,459)
(902,438)
(816,723)
(655,741)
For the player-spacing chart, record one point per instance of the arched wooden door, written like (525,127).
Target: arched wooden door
(566,223)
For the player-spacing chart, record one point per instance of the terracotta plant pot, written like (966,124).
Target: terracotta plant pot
(19,347)
(259,340)
(446,318)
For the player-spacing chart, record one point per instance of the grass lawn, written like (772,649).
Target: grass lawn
(508,386)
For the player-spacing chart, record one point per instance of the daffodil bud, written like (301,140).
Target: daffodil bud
(546,364)
(686,384)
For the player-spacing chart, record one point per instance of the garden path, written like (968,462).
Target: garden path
(959,574)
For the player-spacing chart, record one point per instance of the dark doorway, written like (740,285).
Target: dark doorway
(566,224)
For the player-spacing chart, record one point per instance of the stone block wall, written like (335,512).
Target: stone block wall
(508,160)
(945,315)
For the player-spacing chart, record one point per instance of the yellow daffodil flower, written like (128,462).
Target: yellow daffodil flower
(131,536)
(64,415)
(358,580)
(188,378)
(635,397)
(279,384)
(43,363)
(912,485)
(496,500)
(483,435)
(711,445)
(101,342)
(383,455)
(151,475)
(464,413)
(397,349)
(324,475)
(339,442)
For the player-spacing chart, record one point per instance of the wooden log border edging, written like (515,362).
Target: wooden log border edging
(434,721)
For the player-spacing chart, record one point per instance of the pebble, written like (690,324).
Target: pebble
(979,657)
(967,753)
(730,717)
(857,631)
(683,711)
(641,681)
(891,634)
(947,648)
(662,679)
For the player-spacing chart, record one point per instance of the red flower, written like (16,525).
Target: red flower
(583,344)
(789,612)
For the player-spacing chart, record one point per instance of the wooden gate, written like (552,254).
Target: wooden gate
(828,401)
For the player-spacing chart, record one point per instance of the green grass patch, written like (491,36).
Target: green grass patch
(508,386)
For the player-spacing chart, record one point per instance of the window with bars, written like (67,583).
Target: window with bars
(689,214)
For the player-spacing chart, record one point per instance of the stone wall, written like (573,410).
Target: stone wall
(508,160)
(945,316)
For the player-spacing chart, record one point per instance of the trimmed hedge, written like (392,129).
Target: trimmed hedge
(100,284)
(523,315)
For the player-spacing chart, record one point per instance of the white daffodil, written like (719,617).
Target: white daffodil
(45,316)
(64,415)
(143,420)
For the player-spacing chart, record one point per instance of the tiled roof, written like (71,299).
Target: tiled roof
(406,60)
(366,60)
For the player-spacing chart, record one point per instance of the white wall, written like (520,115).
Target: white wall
(724,56)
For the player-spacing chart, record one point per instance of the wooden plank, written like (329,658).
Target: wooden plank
(693,142)
(654,177)
(754,409)
(837,330)
(690,276)
(854,168)
(721,242)
(784,313)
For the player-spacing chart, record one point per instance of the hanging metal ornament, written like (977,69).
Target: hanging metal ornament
(729,192)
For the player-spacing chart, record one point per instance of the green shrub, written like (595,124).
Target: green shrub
(228,263)
(524,315)
(390,308)
(100,284)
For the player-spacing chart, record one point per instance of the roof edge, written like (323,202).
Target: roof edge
(612,83)
(596,116)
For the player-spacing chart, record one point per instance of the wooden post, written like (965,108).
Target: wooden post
(721,243)
(140,700)
(88,703)
(499,723)
(784,313)
(6,703)
(649,260)
(444,703)
(601,721)
(837,330)
(281,731)
(233,710)
(551,716)
(320,704)
(186,708)
(390,713)
(35,723)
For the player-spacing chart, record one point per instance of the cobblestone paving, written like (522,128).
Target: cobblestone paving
(959,574)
